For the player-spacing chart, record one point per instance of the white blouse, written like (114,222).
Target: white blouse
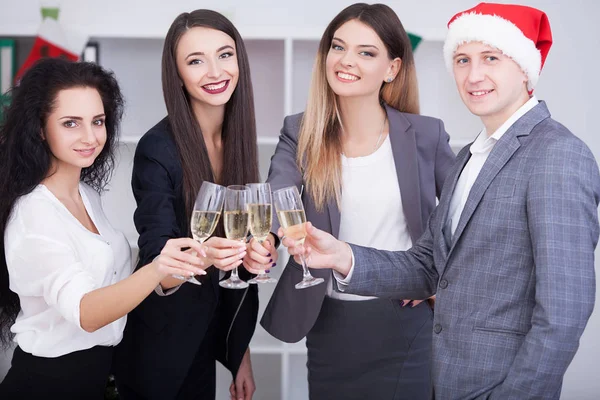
(371,206)
(53,261)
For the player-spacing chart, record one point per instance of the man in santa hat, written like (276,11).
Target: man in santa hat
(510,248)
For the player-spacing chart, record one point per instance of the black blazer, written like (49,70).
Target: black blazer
(163,333)
(422,157)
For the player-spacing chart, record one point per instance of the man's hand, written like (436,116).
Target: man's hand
(321,250)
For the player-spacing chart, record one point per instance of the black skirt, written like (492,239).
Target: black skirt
(372,349)
(78,375)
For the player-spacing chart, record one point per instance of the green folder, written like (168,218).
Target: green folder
(8,68)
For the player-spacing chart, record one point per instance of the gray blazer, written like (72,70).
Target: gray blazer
(515,283)
(422,157)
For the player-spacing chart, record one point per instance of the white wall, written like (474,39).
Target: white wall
(569,83)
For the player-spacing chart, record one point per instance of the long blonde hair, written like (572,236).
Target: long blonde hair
(319,141)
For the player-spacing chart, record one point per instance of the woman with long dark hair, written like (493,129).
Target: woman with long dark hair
(65,284)
(173,338)
(371,168)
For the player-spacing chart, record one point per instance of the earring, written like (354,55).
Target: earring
(389,80)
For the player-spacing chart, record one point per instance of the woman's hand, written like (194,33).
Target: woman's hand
(260,257)
(172,260)
(243,386)
(223,253)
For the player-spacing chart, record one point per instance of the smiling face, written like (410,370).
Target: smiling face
(491,84)
(75,130)
(207,65)
(358,63)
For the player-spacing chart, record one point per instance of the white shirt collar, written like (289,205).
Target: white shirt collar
(484,144)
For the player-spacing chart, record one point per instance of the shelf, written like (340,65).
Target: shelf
(137,32)
(272,141)
(262,140)
(283,348)
(131,31)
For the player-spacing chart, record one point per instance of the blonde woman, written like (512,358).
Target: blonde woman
(370,168)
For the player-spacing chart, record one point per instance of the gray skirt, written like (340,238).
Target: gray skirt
(372,349)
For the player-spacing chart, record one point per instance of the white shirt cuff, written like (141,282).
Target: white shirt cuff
(342,283)
(159,290)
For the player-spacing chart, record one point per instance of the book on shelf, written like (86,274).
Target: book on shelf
(7,70)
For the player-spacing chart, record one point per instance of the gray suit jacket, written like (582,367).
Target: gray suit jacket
(515,284)
(422,157)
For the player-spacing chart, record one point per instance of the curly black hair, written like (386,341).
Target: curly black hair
(25,158)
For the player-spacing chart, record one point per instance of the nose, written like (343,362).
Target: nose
(476,73)
(347,60)
(214,69)
(88,136)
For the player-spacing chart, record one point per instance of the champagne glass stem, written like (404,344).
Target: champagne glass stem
(191,279)
(305,271)
(262,275)
(234,274)
(307,279)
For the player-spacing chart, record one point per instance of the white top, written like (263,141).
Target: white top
(53,261)
(371,206)
(480,150)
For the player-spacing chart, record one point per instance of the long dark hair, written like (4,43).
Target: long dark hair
(240,153)
(25,158)
(319,143)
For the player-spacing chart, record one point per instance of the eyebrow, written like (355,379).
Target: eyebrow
(200,53)
(360,45)
(79,118)
(483,52)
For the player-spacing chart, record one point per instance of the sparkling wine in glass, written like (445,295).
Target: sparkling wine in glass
(205,216)
(260,214)
(290,212)
(235,219)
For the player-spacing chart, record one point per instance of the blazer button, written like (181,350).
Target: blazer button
(437,328)
(443,284)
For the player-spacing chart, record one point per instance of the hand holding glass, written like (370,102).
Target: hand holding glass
(205,216)
(290,212)
(260,215)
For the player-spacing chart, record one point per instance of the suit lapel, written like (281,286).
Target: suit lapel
(404,149)
(502,152)
(446,196)
(334,218)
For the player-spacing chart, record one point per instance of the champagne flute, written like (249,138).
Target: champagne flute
(260,216)
(205,216)
(290,212)
(236,226)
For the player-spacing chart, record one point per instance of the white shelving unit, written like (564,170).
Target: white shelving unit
(281,59)
(282,37)
(281,69)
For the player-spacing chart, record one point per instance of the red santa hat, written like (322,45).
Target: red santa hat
(522,33)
